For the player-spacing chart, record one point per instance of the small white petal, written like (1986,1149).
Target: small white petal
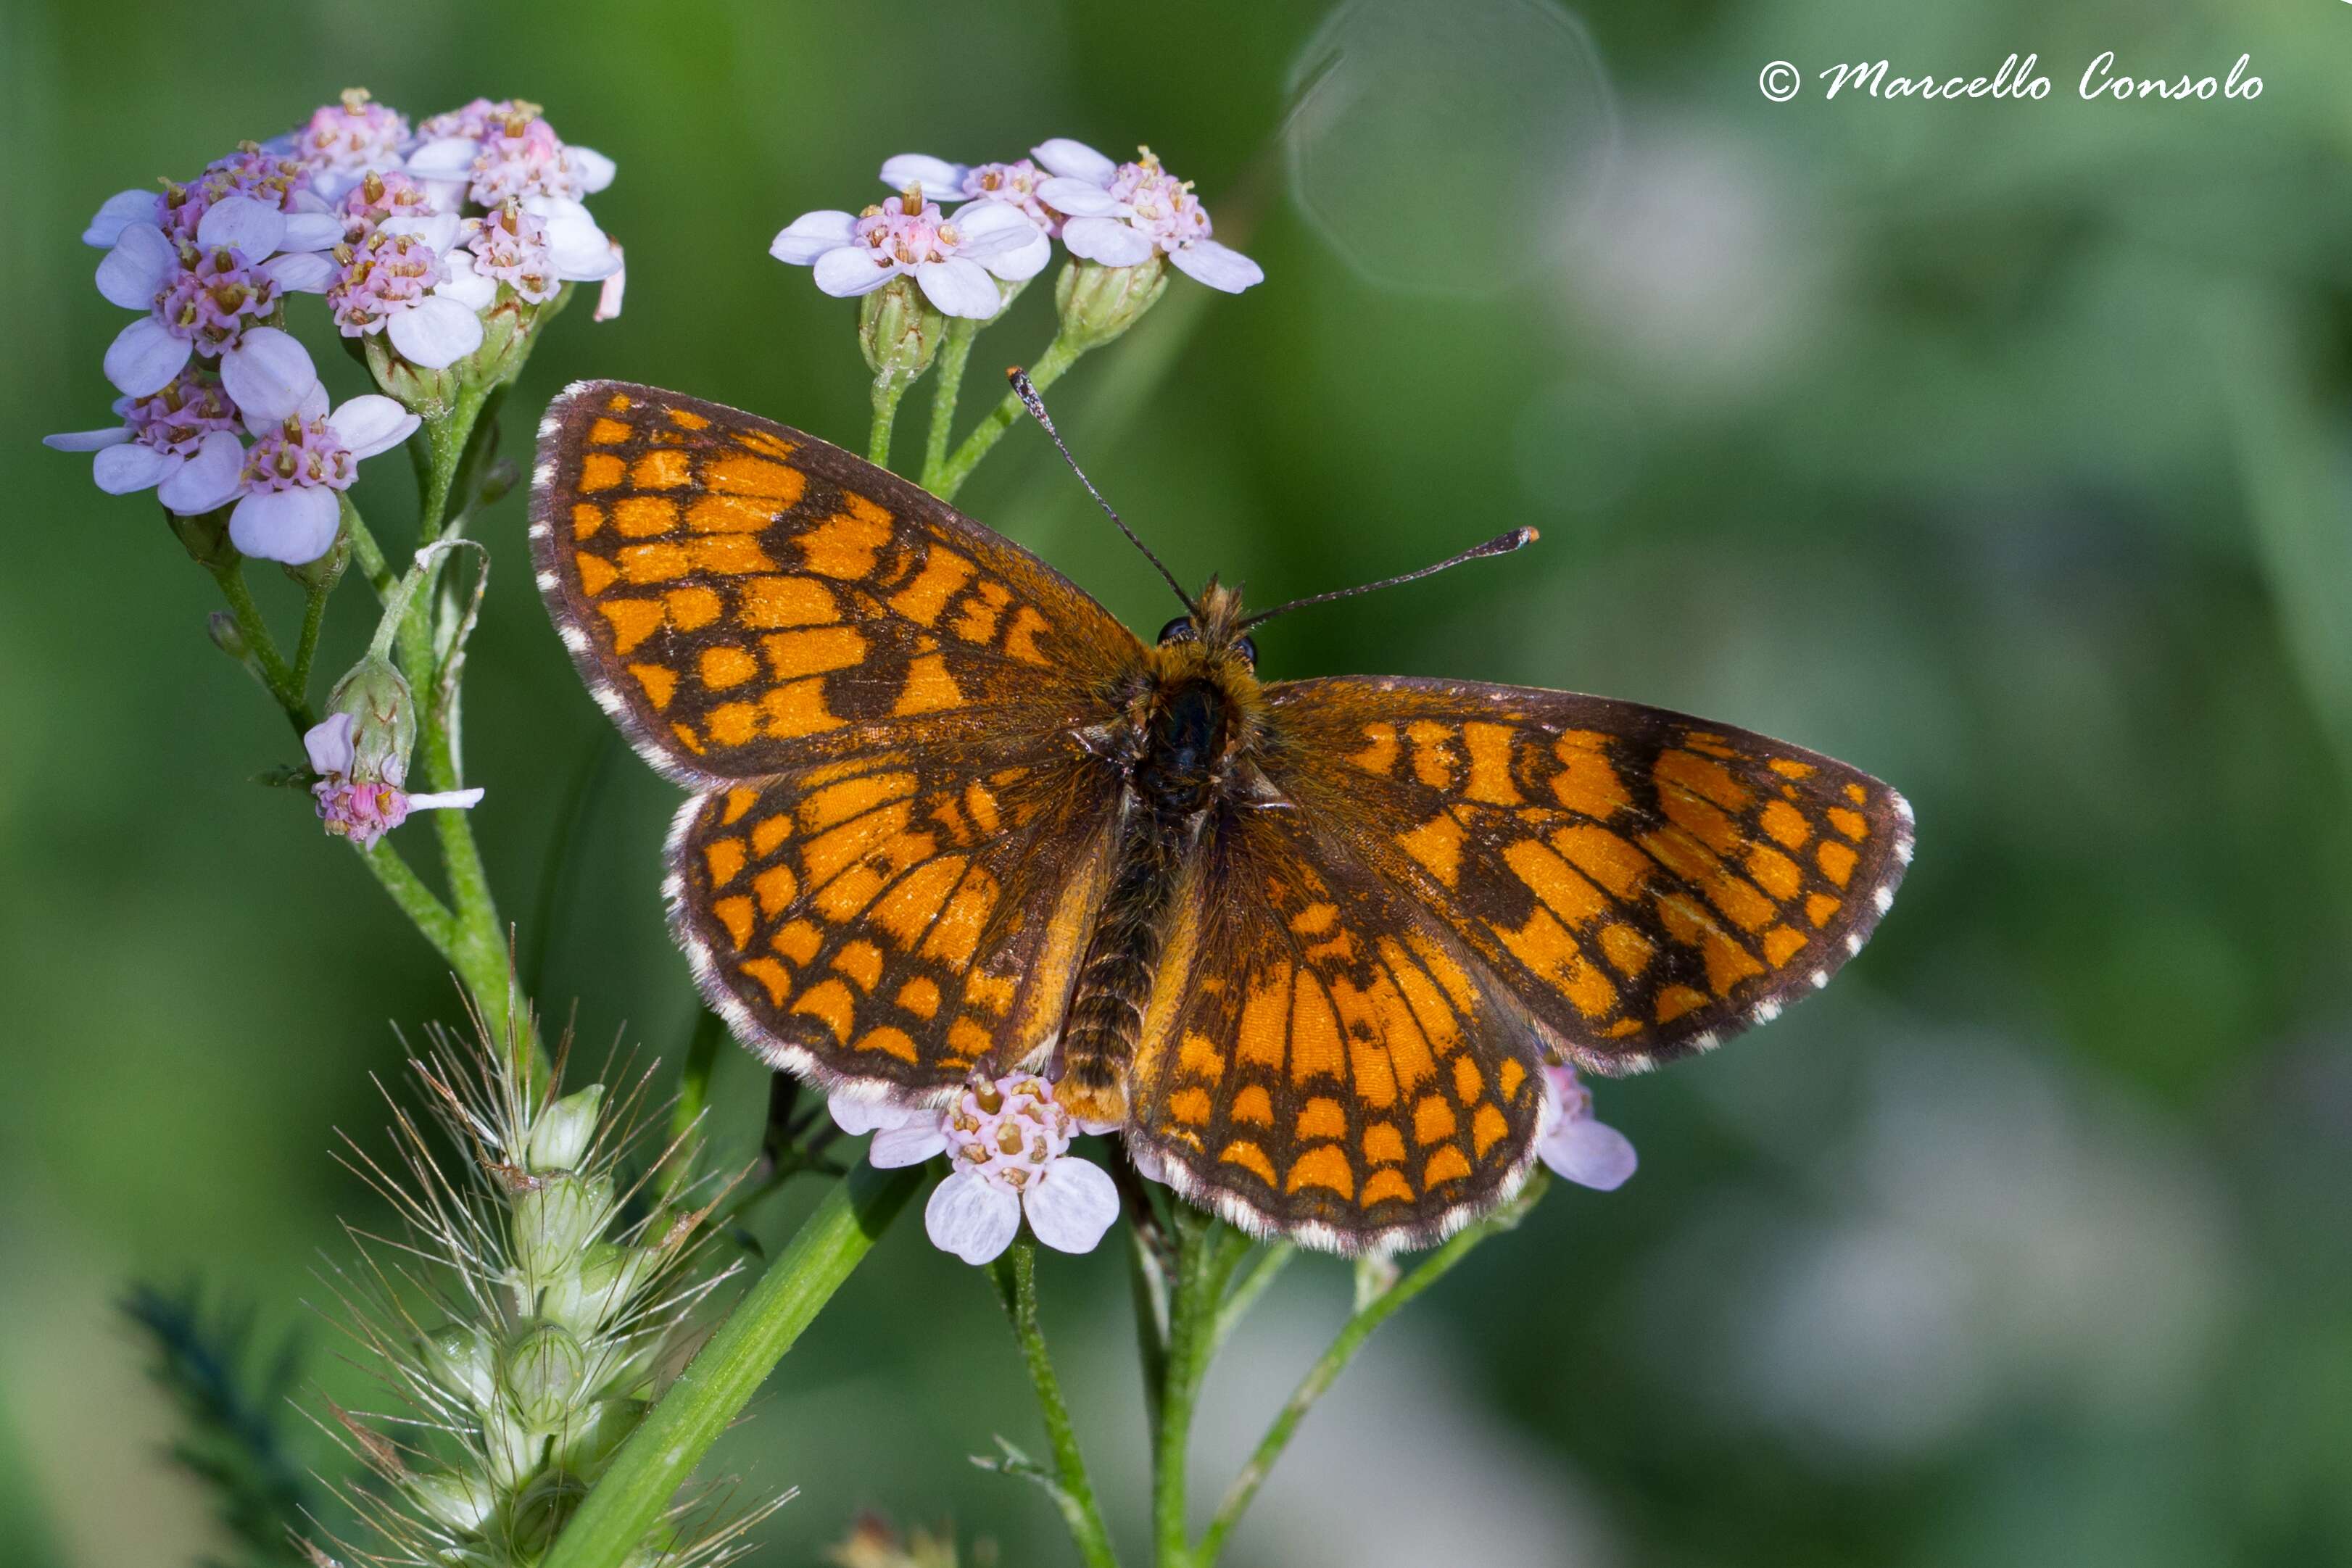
(240,222)
(207,480)
(372,422)
(1023,262)
(334,185)
(1588,1154)
(450,158)
(1079,199)
(1076,159)
(1147,1163)
(144,357)
(938,177)
(858,1117)
(86,440)
(1219,266)
(1072,1204)
(578,249)
(437,333)
(267,374)
(992,228)
(329,743)
(291,526)
(608,297)
(301,271)
(849,271)
(972,1217)
(119,470)
(138,266)
(121,209)
(910,1143)
(596,169)
(446,800)
(1105,240)
(312,231)
(438,230)
(960,288)
(468,283)
(810,236)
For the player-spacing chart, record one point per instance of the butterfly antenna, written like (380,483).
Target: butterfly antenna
(1027,392)
(1501,545)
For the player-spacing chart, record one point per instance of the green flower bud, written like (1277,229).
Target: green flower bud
(539,1515)
(205,538)
(901,331)
(463,1502)
(513,1448)
(429,392)
(545,1368)
(383,719)
(221,627)
(556,1221)
(594,1434)
(321,576)
(588,1298)
(459,1358)
(1098,303)
(559,1138)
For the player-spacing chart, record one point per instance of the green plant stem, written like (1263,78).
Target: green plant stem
(306,647)
(1207,1252)
(888,388)
(946,385)
(1325,1370)
(1059,356)
(262,646)
(1015,1277)
(368,553)
(614,1519)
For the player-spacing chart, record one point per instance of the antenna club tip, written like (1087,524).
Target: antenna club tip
(1528,535)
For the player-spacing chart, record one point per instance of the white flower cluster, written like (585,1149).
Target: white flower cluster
(415,234)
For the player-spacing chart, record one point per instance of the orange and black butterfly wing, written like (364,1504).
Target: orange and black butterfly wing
(880,702)
(1646,883)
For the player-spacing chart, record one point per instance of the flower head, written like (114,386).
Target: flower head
(344,141)
(1123,214)
(295,468)
(381,196)
(362,808)
(495,152)
(1014,184)
(951,258)
(180,440)
(1575,1145)
(395,282)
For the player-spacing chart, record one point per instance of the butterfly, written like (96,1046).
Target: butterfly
(1306,944)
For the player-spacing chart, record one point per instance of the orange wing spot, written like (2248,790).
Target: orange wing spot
(691,609)
(596,573)
(1857,794)
(687,736)
(1433,757)
(1383,1185)
(723,667)
(1727,963)
(798,941)
(739,800)
(1508,1077)
(1198,1056)
(739,474)
(1850,823)
(943,576)
(659,681)
(765,440)
(1020,637)
(1627,950)
(921,997)
(1440,966)
(768,601)
(1487,1128)
(861,962)
(1322,1118)
(733,723)
(970,1037)
(1675,1000)
(1786,824)
(735,914)
(619,402)
(1437,1020)
(1781,943)
(1621,1027)
(891,1040)
(798,709)
(836,850)
(770,831)
(1787,768)
(774,977)
(1253,1105)
(1819,907)
(1741,903)
(1549,878)
(664,468)
(957,934)
(848,545)
(585,519)
(775,887)
(652,562)
(1775,873)
(1611,860)
(729,555)
(1383,1145)
(1489,746)
(1835,859)
(977,621)
(1375,1074)
(811,653)
(1702,777)
(1469,1084)
(1314,1033)
(1315,919)
(1380,756)
(1446,1164)
(724,859)
(686,419)
(1264,1022)
(928,687)
(830,1003)
(1437,845)
(983,806)
(634,620)
(1587,784)
(1700,821)
(729,515)
(1326,1167)
(1544,946)
(910,907)
(600,471)
(1250,1158)
(995,992)
(1190,1105)
(608,432)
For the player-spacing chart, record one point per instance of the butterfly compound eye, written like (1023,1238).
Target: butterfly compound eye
(1248,649)
(1179,630)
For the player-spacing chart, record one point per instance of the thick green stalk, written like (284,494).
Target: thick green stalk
(305,648)
(262,646)
(888,388)
(1015,1277)
(629,1502)
(1059,356)
(1207,1252)
(947,384)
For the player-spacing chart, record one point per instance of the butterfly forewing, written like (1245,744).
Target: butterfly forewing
(1646,882)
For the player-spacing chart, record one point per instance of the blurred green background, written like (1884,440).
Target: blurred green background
(2000,448)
